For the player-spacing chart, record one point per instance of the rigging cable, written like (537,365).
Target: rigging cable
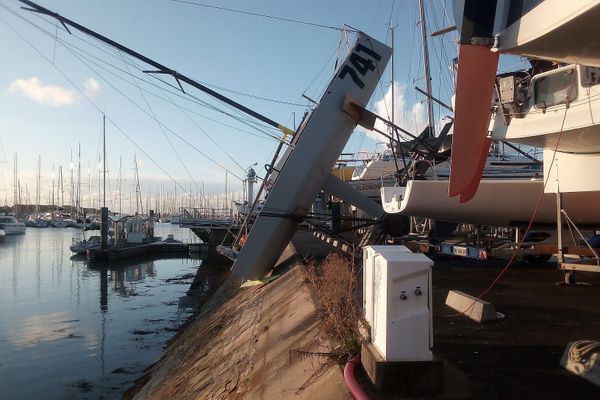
(196,100)
(82,93)
(177,93)
(149,115)
(114,53)
(160,69)
(65,44)
(167,137)
(255,14)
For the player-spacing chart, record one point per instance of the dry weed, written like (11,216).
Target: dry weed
(335,285)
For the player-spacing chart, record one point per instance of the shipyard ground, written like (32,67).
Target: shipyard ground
(516,357)
(257,342)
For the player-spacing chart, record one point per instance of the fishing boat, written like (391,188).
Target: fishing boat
(11,226)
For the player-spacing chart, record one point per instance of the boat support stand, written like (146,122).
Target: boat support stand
(571,267)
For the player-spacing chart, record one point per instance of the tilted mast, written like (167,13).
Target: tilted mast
(161,69)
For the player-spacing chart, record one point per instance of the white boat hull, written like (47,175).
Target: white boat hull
(577,126)
(16,229)
(58,223)
(497,202)
(556,30)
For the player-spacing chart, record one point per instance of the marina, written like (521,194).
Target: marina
(377,201)
(97,326)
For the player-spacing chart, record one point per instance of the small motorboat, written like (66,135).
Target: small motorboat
(11,226)
(81,246)
(171,239)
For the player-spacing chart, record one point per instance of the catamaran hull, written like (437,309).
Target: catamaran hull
(556,30)
(497,202)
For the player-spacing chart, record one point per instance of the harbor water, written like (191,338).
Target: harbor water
(69,330)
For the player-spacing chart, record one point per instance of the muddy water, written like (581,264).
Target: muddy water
(74,331)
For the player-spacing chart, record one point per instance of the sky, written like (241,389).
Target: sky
(54,86)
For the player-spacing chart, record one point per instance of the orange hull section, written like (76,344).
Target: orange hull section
(477,67)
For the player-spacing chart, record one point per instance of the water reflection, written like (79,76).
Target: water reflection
(35,328)
(64,321)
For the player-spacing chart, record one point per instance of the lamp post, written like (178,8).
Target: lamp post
(251,179)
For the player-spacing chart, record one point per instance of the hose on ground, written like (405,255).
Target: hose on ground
(351,383)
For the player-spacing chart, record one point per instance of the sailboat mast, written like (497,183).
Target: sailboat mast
(16,183)
(89,186)
(120,185)
(104,155)
(78,199)
(37,187)
(53,203)
(137,204)
(427,71)
(392,77)
(72,191)
(62,192)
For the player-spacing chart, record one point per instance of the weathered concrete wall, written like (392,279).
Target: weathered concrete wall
(240,348)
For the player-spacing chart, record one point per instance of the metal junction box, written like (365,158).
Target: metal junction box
(397,302)
(507,89)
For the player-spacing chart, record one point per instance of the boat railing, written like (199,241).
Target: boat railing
(192,216)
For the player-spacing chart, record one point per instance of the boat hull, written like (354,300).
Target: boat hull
(13,229)
(556,30)
(59,224)
(573,128)
(497,202)
(310,159)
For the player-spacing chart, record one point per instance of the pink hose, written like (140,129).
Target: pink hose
(351,383)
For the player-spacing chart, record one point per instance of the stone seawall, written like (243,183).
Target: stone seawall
(249,343)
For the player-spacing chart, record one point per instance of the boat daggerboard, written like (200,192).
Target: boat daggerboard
(470,145)
(316,148)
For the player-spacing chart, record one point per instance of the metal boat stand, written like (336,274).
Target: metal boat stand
(570,267)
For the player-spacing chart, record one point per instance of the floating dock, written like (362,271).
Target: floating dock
(122,252)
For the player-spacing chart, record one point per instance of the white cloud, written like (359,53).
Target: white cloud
(52,95)
(92,87)
(44,94)
(412,118)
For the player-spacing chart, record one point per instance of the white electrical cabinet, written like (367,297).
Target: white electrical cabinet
(369,253)
(397,302)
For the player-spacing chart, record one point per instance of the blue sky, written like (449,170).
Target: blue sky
(41,113)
